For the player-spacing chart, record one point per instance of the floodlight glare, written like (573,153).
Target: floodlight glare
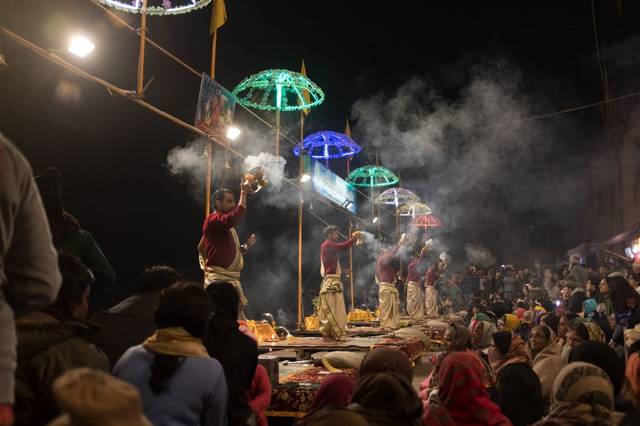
(305,178)
(375,219)
(80,46)
(233,133)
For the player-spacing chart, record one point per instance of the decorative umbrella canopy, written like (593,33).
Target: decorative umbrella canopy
(157,7)
(327,144)
(280,90)
(372,176)
(414,209)
(397,196)
(427,221)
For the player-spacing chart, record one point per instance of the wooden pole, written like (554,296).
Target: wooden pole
(301,171)
(209,149)
(353,297)
(143,39)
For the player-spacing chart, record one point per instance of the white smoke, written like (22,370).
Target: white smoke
(272,166)
(189,164)
(478,255)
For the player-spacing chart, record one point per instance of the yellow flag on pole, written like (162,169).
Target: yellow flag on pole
(347,129)
(305,93)
(218,15)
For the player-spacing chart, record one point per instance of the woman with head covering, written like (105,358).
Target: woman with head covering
(335,392)
(237,352)
(632,372)
(461,398)
(519,394)
(507,349)
(589,307)
(384,394)
(546,358)
(582,394)
(508,322)
(626,305)
(481,333)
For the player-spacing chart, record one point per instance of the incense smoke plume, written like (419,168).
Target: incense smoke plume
(479,255)
(189,164)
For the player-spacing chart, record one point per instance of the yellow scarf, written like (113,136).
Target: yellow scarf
(175,341)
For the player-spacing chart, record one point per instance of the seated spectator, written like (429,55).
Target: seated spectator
(259,395)
(384,394)
(338,417)
(632,372)
(577,334)
(237,352)
(131,321)
(519,394)
(53,341)
(462,398)
(602,355)
(582,395)
(88,397)
(546,357)
(69,236)
(507,349)
(180,384)
(334,393)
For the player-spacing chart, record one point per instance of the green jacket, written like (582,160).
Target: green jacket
(50,343)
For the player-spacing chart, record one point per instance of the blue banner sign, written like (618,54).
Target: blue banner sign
(332,186)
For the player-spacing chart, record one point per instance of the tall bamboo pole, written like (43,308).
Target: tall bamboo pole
(209,149)
(353,297)
(277,132)
(301,171)
(143,38)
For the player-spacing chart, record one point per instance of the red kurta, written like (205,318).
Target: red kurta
(432,275)
(384,270)
(219,244)
(329,254)
(413,273)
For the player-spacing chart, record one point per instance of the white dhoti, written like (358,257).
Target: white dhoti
(332,312)
(230,274)
(415,301)
(389,304)
(431,301)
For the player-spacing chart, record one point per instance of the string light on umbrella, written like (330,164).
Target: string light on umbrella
(427,221)
(158,7)
(397,196)
(414,209)
(372,177)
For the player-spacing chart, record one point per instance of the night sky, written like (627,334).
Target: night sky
(113,153)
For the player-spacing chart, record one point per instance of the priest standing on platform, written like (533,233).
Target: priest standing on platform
(415,295)
(332,312)
(219,250)
(387,267)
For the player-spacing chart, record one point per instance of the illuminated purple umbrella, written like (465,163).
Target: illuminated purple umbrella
(327,144)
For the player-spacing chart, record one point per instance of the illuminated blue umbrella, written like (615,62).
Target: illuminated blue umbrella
(327,144)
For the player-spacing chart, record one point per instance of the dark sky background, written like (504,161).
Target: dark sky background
(420,81)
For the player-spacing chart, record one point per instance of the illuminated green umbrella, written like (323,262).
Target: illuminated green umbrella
(278,90)
(372,177)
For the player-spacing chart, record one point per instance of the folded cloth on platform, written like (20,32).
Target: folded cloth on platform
(341,359)
(412,333)
(439,324)
(359,315)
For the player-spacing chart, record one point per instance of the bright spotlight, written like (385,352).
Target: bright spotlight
(80,46)
(305,178)
(375,219)
(233,133)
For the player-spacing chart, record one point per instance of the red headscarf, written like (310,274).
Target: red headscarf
(463,399)
(633,375)
(335,391)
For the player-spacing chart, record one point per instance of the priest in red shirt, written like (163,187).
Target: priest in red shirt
(220,252)
(431,294)
(415,294)
(332,312)
(387,267)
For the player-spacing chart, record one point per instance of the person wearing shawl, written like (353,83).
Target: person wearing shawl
(582,395)
(179,383)
(461,398)
(384,395)
(589,307)
(626,306)
(237,352)
(334,393)
(519,394)
(524,328)
(481,329)
(602,355)
(632,372)
(546,360)
(507,349)
(457,338)
(509,322)
(219,250)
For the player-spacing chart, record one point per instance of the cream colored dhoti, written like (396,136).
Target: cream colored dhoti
(431,301)
(389,304)
(332,312)
(415,301)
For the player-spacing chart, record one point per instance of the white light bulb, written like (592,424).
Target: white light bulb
(233,133)
(305,178)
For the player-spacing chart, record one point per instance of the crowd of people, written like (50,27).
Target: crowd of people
(521,346)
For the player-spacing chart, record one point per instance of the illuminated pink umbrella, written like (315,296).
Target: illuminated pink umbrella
(427,221)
